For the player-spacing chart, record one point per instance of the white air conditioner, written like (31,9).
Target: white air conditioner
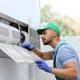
(17,63)
(9,34)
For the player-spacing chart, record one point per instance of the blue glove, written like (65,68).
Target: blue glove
(27,46)
(42,65)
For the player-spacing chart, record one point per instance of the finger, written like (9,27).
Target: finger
(38,62)
(41,67)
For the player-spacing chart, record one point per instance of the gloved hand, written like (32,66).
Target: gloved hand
(27,46)
(42,65)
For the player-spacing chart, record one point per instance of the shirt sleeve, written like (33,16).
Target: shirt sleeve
(67,55)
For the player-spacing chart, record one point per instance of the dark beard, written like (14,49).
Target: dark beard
(50,38)
(47,43)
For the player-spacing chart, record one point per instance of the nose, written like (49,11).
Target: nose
(41,36)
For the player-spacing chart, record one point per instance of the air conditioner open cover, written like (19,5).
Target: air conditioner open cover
(18,54)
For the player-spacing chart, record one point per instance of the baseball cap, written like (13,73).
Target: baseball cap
(52,25)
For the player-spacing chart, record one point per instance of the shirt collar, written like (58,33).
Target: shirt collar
(60,42)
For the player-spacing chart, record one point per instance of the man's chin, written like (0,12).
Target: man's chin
(45,43)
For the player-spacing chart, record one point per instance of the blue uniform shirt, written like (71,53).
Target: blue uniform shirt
(65,54)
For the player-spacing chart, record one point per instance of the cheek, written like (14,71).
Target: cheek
(46,39)
(49,38)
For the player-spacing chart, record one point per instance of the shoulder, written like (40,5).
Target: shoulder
(67,54)
(65,48)
(66,51)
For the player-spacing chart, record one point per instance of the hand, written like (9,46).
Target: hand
(42,65)
(27,46)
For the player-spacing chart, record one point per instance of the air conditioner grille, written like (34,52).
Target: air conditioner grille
(4,31)
(15,34)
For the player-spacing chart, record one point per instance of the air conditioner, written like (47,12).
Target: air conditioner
(9,34)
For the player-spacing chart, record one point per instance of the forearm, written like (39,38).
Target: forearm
(43,55)
(37,52)
(65,73)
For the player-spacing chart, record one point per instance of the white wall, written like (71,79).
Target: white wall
(74,41)
(22,10)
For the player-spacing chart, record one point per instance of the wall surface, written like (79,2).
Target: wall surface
(23,10)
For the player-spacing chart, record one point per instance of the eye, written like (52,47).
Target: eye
(43,33)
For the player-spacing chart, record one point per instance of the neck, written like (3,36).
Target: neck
(54,42)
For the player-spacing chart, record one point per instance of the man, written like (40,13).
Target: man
(65,59)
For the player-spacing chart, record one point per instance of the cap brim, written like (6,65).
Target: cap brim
(39,31)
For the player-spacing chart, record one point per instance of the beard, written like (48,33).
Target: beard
(46,42)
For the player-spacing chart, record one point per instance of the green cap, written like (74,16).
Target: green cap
(53,26)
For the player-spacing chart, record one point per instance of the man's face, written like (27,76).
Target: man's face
(47,36)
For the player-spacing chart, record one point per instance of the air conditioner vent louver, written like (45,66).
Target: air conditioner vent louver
(4,31)
(15,34)
(9,34)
